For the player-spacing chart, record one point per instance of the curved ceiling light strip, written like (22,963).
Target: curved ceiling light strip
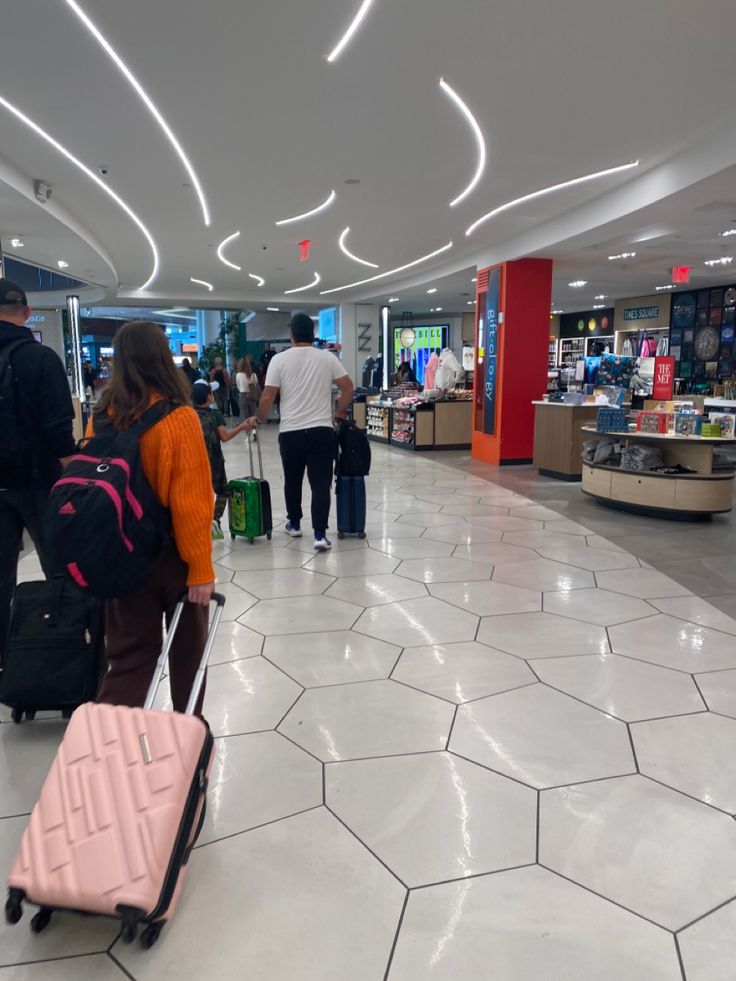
(349,254)
(92,176)
(389,272)
(354,25)
(260,279)
(549,190)
(308,214)
(300,289)
(147,101)
(201,282)
(479,139)
(221,248)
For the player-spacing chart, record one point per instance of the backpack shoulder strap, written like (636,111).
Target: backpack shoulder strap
(7,349)
(151,416)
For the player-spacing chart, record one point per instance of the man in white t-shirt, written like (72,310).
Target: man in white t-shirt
(304,376)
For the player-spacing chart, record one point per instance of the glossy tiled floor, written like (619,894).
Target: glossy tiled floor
(486,744)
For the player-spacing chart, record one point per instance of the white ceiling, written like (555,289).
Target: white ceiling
(559,90)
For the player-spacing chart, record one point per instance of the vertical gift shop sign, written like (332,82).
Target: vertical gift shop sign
(664,379)
(491,346)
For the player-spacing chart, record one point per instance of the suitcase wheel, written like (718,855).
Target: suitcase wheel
(341,535)
(268,536)
(129,933)
(232,537)
(14,906)
(17,715)
(361,534)
(251,541)
(150,935)
(41,920)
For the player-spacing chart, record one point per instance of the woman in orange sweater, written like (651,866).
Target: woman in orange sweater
(176,466)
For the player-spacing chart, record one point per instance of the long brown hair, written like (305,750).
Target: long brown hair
(142,367)
(246,365)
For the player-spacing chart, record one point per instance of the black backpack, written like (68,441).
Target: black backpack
(353,451)
(105,526)
(13,443)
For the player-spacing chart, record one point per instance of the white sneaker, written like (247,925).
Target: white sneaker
(293,530)
(322,544)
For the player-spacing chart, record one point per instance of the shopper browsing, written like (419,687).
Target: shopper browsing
(215,434)
(303,376)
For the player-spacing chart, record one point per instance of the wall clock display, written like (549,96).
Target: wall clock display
(407,337)
(729,299)
(707,344)
(683,311)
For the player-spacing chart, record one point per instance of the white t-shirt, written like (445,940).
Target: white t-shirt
(304,376)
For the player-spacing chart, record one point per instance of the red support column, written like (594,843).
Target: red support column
(511,347)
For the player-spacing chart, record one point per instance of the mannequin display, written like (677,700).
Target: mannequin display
(430,371)
(449,370)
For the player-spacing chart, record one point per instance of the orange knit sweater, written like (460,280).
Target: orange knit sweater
(176,466)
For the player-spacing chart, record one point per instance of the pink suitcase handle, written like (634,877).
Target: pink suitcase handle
(217,598)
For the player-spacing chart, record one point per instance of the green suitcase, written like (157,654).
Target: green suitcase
(250,503)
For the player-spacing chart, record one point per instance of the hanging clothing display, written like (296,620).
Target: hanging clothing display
(430,371)
(663,347)
(627,348)
(647,347)
(368,366)
(449,370)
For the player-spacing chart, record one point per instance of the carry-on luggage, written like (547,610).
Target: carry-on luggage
(54,656)
(351,506)
(119,812)
(250,502)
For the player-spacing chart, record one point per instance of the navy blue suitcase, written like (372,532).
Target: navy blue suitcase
(351,506)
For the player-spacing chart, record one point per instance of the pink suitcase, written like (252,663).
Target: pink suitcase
(119,812)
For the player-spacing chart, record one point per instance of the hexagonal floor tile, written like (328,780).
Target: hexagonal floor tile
(282,583)
(696,610)
(543,574)
(629,690)
(444,570)
(428,520)
(301,614)
(675,644)
(233,642)
(463,534)
(597,606)
(542,738)
(92,967)
(719,691)
(471,508)
(538,512)
(262,556)
(644,846)
(506,523)
(26,753)
(372,718)
(243,696)
(358,562)
(709,946)
(488,598)
(306,878)
(332,658)
(461,672)
(566,527)
(376,590)
(529,925)
(592,559)
(434,817)
(414,548)
(417,622)
(237,601)
(287,780)
(596,541)
(222,574)
(536,635)
(541,539)
(645,583)
(692,753)
(494,553)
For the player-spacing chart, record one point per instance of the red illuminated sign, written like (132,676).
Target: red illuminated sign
(304,249)
(681,274)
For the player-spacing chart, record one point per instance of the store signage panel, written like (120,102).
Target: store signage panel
(641,313)
(491,372)
(664,379)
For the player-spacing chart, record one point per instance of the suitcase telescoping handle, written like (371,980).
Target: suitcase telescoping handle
(217,598)
(251,439)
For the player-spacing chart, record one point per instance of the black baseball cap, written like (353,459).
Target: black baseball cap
(11,293)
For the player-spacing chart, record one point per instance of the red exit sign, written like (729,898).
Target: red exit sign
(681,274)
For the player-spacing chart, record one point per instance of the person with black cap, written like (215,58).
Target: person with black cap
(36,416)
(303,376)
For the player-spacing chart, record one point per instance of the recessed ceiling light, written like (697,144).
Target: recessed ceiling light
(598,306)
(621,255)
(393,299)
(308,214)
(273,309)
(669,286)
(349,254)
(471,303)
(201,282)
(557,312)
(221,249)
(602,296)
(62,263)
(389,272)
(354,25)
(92,176)
(259,279)
(17,243)
(438,309)
(352,180)
(147,101)
(433,290)
(728,233)
(549,190)
(725,260)
(578,283)
(479,139)
(300,289)
(474,279)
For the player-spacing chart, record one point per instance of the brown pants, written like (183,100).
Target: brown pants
(134,638)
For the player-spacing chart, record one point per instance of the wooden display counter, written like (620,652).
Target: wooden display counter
(442,425)
(558,439)
(453,424)
(683,496)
